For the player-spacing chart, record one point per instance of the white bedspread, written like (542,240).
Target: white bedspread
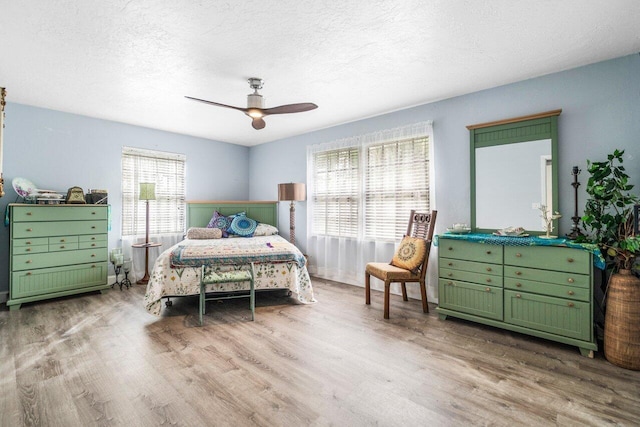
(166,281)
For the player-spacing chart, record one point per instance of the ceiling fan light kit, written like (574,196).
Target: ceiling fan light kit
(255,105)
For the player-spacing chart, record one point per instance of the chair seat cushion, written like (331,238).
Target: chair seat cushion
(384,271)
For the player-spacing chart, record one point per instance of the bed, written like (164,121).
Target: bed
(176,271)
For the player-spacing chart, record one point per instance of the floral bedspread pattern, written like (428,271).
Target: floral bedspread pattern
(167,281)
(236,251)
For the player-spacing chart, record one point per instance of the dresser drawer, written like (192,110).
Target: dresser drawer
(32,249)
(459,249)
(29,242)
(556,277)
(96,244)
(549,258)
(92,238)
(478,267)
(55,247)
(50,280)
(558,316)
(472,277)
(58,213)
(570,292)
(60,228)
(52,259)
(479,300)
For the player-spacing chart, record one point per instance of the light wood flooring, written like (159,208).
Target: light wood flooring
(102,360)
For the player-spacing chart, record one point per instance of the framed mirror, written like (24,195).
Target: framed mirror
(514,172)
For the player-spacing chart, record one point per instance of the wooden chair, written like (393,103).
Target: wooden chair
(421,225)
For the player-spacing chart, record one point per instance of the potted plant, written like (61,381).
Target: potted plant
(608,216)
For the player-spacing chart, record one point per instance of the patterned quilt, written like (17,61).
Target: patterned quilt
(177,270)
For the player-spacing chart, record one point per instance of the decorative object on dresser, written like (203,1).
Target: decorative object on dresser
(544,291)
(75,195)
(292,192)
(609,218)
(3,94)
(413,265)
(548,217)
(56,250)
(147,192)
(575,228)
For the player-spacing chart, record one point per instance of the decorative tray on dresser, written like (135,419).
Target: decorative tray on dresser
(532,286)
(56,250)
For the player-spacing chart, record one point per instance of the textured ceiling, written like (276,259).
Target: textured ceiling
(133,61)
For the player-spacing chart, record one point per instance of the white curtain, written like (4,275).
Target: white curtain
(344,259)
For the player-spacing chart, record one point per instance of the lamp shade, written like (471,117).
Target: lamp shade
(147,191)
(292,191)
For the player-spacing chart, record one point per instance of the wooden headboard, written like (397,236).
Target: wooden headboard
(199,212)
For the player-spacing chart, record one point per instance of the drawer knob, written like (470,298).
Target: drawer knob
(450,248)
(62,247)
(450,264)
(29,229)
(488,268)
(93,244)
(93,238)
(29,261)
(488,280)
(569,259)
(93,255)
(488,252)
(449,283)
(518,255)
(93,266)
(93,213)
(518,273)
(28,249)
(570,280)
(93,226)
(570,292)
(29,213)
(62,240)
(487,289)
(570,304)
(518,296)
(28,242)
(450,274)
(519,285)
(28,273)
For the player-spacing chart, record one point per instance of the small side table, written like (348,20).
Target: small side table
(146,246)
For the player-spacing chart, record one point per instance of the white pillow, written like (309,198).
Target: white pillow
(265,230)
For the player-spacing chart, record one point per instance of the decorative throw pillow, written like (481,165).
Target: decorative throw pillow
(265,230)
(243,226)
(219,221)
(204,233)
(410,254)
(228,232)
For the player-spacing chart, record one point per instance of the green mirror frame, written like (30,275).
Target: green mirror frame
(542,126)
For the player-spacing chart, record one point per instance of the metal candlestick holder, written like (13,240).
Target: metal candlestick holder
(575,228)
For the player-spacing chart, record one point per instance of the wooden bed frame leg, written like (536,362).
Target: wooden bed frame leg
(367,288)
(387,285)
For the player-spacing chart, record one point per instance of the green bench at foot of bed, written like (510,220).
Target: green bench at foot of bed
(209,277)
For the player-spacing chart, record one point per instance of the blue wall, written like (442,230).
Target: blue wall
(600,111)
(58,150)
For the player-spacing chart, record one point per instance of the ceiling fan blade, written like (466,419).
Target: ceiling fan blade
(217,104)
(258,123)
(290,108)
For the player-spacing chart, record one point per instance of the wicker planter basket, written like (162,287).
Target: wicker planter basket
(622,321)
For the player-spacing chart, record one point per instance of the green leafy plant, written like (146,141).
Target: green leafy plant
(608,213)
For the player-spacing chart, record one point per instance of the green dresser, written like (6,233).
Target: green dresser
(545,291)
(56,250)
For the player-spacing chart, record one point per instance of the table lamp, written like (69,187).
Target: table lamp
(292,192)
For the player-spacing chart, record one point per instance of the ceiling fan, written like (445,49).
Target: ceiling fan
(255,105)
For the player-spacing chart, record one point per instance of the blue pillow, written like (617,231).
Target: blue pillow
(243,226)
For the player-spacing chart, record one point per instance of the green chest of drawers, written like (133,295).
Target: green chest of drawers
(56,250)
(545,291)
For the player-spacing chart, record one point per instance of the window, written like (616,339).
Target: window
(369,188)
(335,197)
(167,211)
(396,181)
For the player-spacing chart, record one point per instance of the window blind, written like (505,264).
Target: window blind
(396,181)
(336,188)
(167,211)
